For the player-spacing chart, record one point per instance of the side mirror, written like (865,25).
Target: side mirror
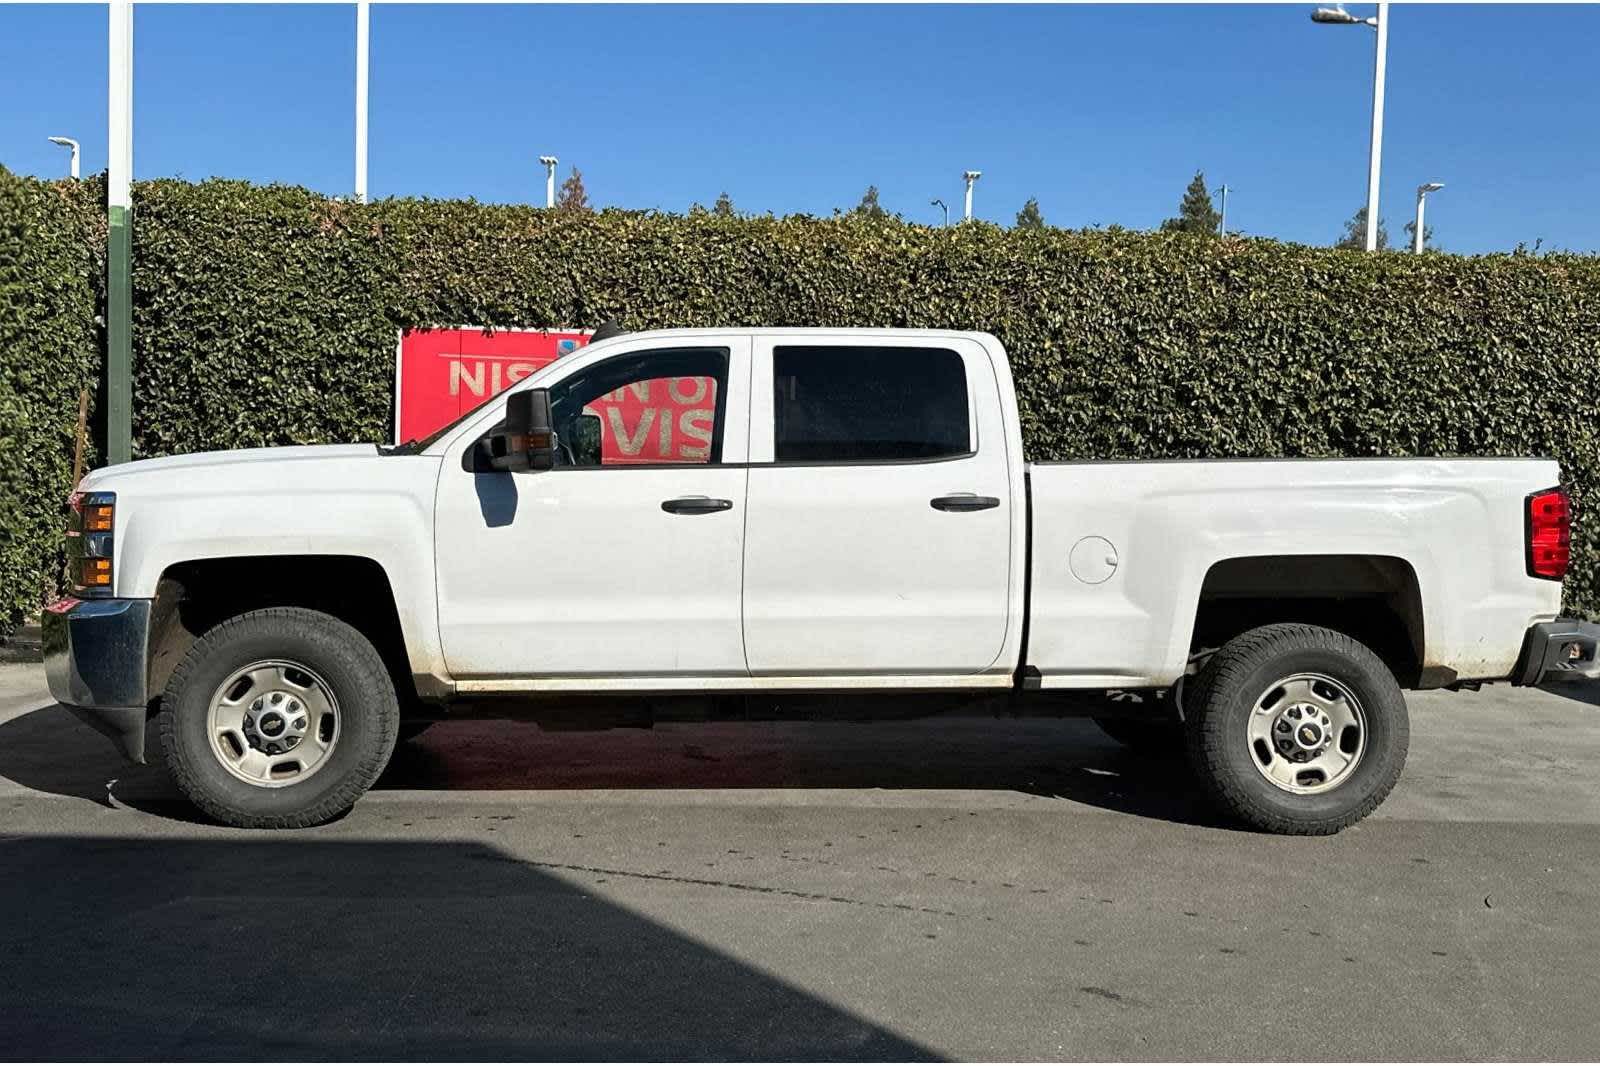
(527,441)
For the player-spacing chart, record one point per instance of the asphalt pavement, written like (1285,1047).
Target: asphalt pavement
(946,888)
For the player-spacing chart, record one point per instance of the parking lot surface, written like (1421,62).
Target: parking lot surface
(945,888)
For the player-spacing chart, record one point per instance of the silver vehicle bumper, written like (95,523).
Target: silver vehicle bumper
(95,656)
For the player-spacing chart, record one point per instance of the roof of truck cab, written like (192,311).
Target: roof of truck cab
(805,331)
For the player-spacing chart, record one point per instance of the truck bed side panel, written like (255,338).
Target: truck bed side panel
(1142,536)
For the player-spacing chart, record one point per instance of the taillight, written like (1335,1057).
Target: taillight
(1549,526)
(89,542)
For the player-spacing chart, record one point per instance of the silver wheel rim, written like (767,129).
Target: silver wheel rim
(1306,733)
(273,723)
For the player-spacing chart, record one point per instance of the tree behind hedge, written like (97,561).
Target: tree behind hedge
(1030,217)
(1196,214)
(572,195)
(1355,232)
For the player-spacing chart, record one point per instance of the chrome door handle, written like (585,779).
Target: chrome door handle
(960,502)
(696,505)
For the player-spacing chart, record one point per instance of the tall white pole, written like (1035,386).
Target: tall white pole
(549,162)
(971,177)
(362,16)
(119,116)
(1416,238)
(1222,228)
(74,164)
(1375,155)
(119,236)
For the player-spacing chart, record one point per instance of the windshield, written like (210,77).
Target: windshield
(417,447)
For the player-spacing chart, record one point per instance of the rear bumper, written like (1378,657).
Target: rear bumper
(1563,650)
(95,654)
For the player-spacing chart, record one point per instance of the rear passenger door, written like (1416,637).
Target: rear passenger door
(877,531)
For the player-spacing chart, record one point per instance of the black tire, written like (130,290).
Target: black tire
(1219,703)
(368,713)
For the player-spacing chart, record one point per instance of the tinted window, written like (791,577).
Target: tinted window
(645,408)
(838,404)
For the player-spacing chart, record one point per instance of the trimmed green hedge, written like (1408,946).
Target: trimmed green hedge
(266,315)
(52,243)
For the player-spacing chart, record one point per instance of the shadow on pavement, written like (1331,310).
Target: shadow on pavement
(1581,691)
(305,949)
(49,751)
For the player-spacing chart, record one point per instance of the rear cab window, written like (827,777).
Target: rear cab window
(869,404)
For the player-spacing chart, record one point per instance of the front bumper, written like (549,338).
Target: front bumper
(95,656)
(1563,650)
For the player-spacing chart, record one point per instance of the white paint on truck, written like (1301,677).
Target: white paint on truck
(830,575)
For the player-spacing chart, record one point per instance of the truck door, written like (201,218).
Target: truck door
(877,533)
(623,562)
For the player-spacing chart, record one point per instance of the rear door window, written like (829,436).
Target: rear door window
(854,404)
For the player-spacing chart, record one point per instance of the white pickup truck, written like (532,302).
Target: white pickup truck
(846,512)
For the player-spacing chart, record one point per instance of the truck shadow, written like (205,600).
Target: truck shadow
(295,948)
(1068,759)
(1581,692)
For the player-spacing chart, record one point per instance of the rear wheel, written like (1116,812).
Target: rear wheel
(279,718)
(1297,729)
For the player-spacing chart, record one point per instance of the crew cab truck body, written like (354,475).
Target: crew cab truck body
(819,511)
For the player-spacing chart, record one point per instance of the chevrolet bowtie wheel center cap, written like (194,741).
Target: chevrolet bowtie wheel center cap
(275,722)
(1302,731)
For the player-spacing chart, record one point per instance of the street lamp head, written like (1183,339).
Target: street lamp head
(549,160)
(1337,16)
(65,142)
(972,175)
(1432,186)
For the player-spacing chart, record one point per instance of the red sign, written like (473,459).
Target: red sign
(442,374)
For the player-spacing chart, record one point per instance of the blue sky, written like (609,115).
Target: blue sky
(1102,112)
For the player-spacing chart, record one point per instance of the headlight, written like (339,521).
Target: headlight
(89,542)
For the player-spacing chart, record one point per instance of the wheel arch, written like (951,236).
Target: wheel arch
(1375,599)
(193,596)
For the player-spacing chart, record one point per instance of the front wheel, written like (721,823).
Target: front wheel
(1297,729)
(279,718)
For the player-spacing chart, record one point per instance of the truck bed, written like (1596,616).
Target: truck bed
(1121,554)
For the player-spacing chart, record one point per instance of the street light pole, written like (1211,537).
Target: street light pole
(362,34)
(68,142)
(549,162)
(1338,16)
(1422,199)
(970,177)
(936,202)
(1375,152)
(1222,228)
(119,235)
